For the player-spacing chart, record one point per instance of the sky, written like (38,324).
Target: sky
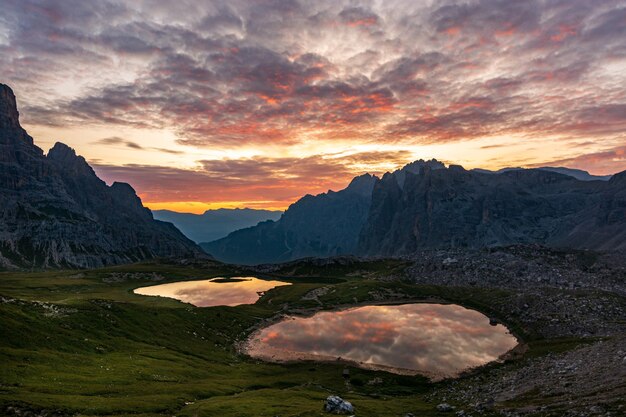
(207,104)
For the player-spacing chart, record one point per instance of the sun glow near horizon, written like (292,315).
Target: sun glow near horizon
(198,207)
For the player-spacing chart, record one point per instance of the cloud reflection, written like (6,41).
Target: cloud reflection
(210,293)
(432,339)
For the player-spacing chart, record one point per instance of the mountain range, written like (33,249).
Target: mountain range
(55,211)
(426,205)
(214,224)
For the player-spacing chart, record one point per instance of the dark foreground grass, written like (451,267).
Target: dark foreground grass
(83,343)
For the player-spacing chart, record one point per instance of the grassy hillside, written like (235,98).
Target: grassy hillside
(83,343)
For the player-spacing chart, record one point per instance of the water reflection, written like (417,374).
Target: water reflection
(214,292)
(432,339)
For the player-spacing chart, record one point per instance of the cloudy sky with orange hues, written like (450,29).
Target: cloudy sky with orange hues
(202,104)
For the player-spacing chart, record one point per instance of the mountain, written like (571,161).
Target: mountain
(315,226)
(214,224)
(457,208)
(55,211)
(426,205)
(579,174)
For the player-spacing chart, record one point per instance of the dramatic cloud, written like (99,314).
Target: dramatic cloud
(267,80)
(606,162)
(114,140)
(259,181)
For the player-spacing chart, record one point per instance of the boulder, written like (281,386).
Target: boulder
(337,405)
(445,407)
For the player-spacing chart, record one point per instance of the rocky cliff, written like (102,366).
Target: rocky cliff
(55,211)
(428,206)
(455,208)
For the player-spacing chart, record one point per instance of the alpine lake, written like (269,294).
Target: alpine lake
(434,340)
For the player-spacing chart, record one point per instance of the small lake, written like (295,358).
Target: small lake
(214,292)
(435,340)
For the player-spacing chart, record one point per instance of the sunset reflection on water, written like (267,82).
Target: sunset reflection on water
(214,292)
(432,339)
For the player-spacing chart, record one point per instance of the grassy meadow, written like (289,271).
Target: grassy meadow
(81,343)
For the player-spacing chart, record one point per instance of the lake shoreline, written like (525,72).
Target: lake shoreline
(249,347)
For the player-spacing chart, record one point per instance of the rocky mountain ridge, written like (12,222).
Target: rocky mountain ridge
(450,208)
(55,211)
(579,174)
(426,205)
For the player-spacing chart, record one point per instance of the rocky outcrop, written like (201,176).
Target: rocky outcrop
(55,211)
(337,405)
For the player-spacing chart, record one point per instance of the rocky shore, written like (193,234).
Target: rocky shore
(574,296)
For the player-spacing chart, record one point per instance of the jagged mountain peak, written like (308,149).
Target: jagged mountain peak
(61,152)
(125,191)
(619,178)
(363,184)
(57,213)
(67,159)
(9,116)
(418,166)
(123,188)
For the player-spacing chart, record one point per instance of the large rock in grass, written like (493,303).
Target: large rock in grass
(337,405)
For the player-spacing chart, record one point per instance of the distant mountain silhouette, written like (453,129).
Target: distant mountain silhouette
(579,174)
(214,224)
(428,206)
(55,211)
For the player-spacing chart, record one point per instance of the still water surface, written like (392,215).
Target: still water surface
(435,340)
(214,292)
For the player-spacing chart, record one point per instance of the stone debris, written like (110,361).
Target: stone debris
(554,293)
(590,376)
(314,294)
(563,295)
(115,277)
(445,407)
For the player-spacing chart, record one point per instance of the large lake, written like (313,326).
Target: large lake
(436,340)
(214,292)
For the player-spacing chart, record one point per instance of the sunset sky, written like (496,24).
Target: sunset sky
(201,104)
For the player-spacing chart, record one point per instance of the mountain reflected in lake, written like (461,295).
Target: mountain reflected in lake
(431,339)
(214,292)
